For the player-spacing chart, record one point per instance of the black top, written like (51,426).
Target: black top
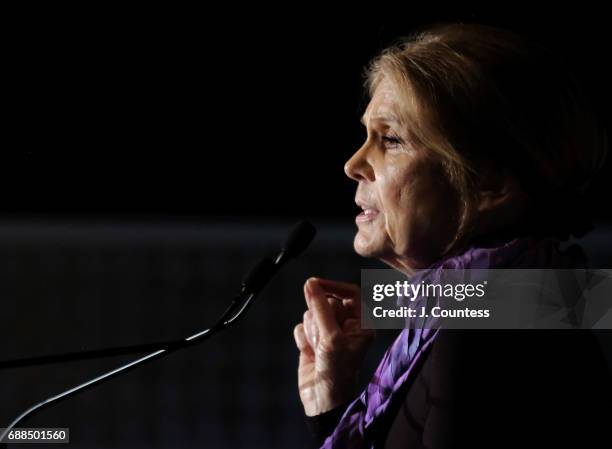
(499,388)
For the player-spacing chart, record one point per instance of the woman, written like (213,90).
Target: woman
(479,147)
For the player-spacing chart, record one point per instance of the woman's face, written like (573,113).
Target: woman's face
(409,210)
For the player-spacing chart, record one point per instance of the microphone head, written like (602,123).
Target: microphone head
(299,238)
(259,275)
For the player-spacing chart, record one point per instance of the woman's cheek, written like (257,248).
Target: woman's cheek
(400,183)
(405,223)
(398,209)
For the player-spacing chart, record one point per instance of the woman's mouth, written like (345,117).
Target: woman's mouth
(368,213)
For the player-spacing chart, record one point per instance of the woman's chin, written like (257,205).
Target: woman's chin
(367,245)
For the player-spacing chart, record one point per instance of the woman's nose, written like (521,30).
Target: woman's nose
(358,167)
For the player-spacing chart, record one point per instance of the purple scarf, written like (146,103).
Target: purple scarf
(359,422)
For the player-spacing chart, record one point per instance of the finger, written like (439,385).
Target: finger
(300,339)
(306,292)
(352,307)
(344,308)
(321,310)
(354,326)
(343,290)
(360,338)
(340,311)
(348,294)
(351,325)
(310,329)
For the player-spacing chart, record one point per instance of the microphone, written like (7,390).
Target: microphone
(258,276)
(297,241)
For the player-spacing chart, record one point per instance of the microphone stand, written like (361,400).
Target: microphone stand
(84,355)
(298,240)
(94,354)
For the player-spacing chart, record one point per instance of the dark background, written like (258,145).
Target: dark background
(197,114)
(152,155)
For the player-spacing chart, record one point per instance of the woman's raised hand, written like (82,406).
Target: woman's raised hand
(332,344)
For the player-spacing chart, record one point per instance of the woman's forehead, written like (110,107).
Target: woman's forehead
(383,105)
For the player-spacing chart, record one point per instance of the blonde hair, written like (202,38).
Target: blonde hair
(485,98)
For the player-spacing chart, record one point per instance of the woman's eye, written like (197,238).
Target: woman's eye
(391,141)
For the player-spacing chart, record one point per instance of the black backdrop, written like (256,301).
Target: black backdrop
(217,112)
(150,155)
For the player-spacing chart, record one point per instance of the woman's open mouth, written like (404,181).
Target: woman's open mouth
(368,213)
